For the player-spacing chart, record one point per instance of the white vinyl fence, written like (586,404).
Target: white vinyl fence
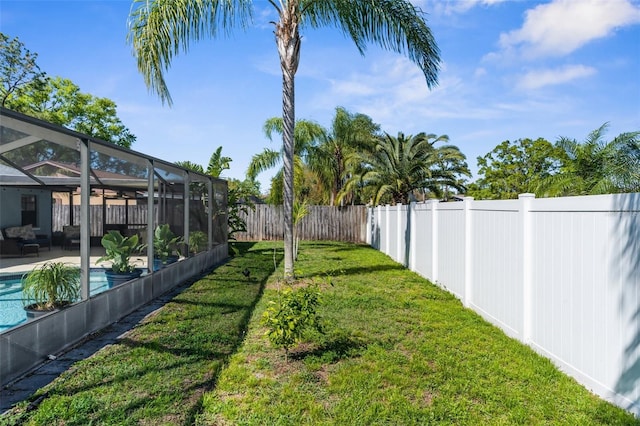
(560,274)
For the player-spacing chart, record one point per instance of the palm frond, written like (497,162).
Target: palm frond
(265,160)
(160,30)
(395,25)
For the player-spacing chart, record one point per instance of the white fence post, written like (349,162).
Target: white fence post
(387,226)
(527,289)
(434,240)
(468,273)
(399,235)
(412,236)
(368,225)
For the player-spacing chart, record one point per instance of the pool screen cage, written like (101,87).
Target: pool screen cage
(56,177)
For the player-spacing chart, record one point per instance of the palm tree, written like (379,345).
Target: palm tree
(450,167)
(158,30)
(397,167)
(306,136)
(596,166)
(331,159)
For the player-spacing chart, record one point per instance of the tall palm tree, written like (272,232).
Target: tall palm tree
(397,167)
(596,166)
(331,159)
(158,30)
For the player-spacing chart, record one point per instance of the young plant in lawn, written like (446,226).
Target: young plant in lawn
(293,314)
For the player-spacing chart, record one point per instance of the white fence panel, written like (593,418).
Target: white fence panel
(496,241)
(382,234)
(392,233)
(451,241)
(422,243)
(403,237)
(586,306)
(560,274)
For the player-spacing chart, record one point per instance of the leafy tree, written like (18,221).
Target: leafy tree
(395,168)
(240,193)
(161,29)
(26,89)
(596,166)
(61,102)
(331,160)
(18,69)
(240,200)
(191,166)
(218,163)
(513,168)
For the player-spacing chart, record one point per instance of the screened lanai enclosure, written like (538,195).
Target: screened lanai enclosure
(60,193)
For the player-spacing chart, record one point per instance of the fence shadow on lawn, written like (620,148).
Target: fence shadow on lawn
(629,232)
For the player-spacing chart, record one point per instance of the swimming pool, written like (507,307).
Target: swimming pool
(12,312)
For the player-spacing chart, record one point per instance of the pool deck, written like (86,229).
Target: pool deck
(17,264)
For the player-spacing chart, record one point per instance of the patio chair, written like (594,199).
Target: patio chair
(23,236)
(9,247)
(71,236)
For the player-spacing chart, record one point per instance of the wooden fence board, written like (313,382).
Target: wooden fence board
(265,222)
(347,223)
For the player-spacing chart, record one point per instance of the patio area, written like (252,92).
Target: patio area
(14,265)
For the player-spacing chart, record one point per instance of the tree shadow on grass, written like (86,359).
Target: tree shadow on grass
(332,246)
(357,270)
(336,347)
(187,353)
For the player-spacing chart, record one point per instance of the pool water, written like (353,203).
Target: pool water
(12,312)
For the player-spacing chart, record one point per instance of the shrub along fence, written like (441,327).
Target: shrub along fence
(322,223)
(560,274)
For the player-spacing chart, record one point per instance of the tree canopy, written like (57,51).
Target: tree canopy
(517,167)
(26,89)
(596,166)
(396,168)
(567,167)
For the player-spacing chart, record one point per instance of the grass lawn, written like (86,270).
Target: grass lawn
(396,350)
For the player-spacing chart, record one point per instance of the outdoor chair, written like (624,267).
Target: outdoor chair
(20,236)
(70,236)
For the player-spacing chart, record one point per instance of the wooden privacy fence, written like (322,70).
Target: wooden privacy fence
(322,223)
(132,215)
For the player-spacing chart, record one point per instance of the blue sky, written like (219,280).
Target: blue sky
(510,70)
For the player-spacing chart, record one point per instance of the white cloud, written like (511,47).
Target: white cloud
(540,78)
(562,26)
(449,7)
(393,92)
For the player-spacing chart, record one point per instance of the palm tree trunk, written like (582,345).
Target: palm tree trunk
(288,115)
(288,41)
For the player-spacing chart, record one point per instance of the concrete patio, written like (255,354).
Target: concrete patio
(18,264)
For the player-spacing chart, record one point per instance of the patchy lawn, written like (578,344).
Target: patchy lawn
(396,350)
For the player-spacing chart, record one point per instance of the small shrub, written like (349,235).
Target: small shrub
(289,317)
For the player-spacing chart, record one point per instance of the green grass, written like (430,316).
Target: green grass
(396,351)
